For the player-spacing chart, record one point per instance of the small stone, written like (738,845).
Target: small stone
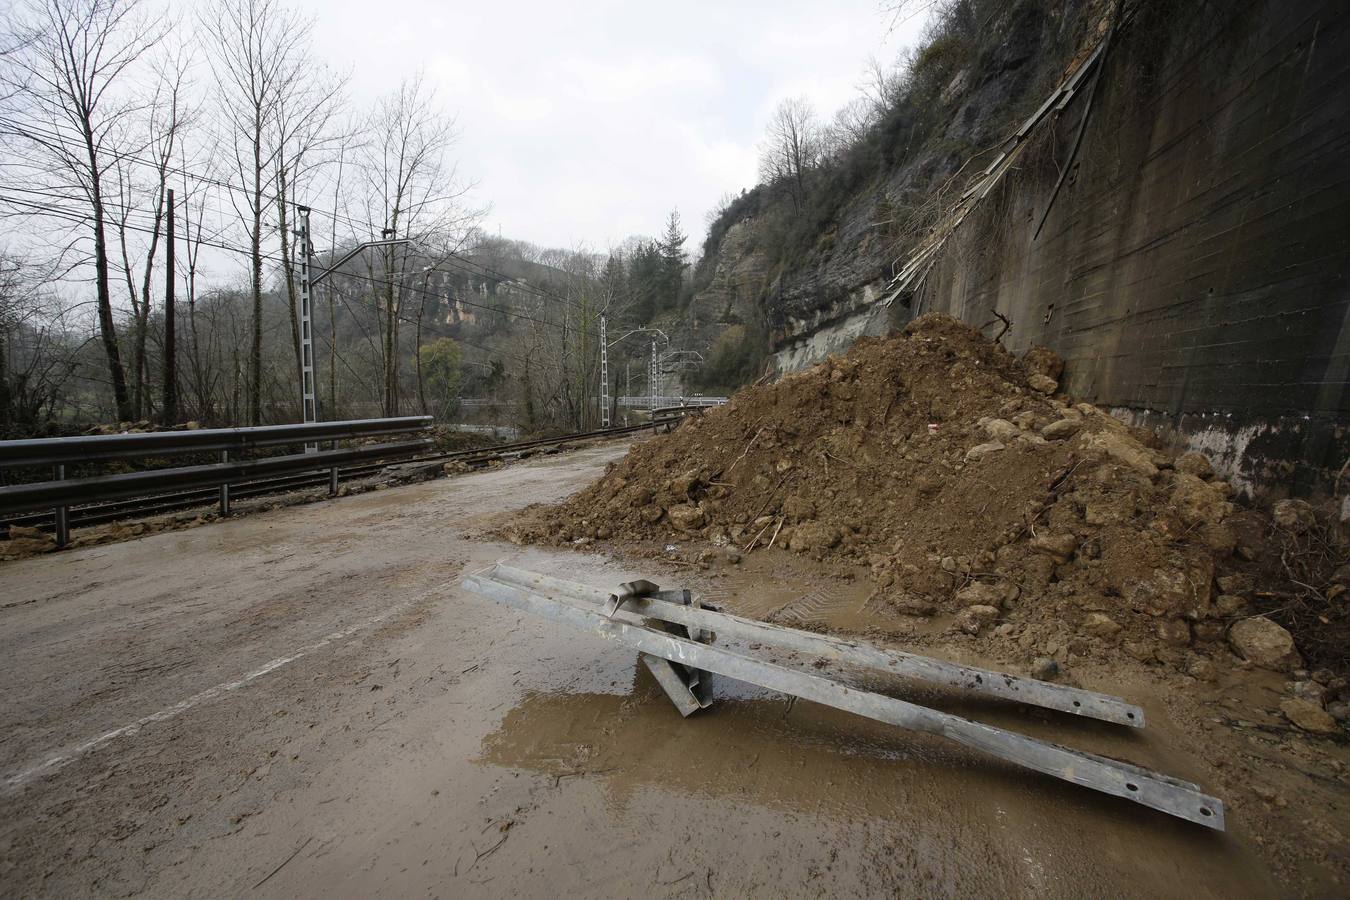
(798,509)
(1294,515)
(1061,430)
(1043,383)
(1200,668)
(1323,676)
(814,536)
(1043,668)
(977,593)
(1340,710)
(1101,626)
(1058,546)
(973,618)
(980,451)
(1140,650)
(1264,643)
(1309,717)
(1309,690)
(1000,429)
(1229,605)
(1174,632)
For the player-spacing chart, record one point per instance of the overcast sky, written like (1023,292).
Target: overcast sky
(586,122)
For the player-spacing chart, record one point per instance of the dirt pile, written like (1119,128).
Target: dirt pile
(954,472)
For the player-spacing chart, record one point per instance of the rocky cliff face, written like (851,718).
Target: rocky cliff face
(1190,267)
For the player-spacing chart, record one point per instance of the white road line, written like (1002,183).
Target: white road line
(70,754)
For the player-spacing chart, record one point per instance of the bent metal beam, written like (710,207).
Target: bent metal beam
(577,609)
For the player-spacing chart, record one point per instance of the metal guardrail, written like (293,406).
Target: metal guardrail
(60,492)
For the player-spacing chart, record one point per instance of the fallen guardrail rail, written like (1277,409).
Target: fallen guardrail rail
(60,493)
(680,655)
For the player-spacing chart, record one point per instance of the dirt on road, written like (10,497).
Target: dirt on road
(303,702)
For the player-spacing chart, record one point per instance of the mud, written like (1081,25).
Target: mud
(375,731)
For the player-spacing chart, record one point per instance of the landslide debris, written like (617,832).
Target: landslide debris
(968,487)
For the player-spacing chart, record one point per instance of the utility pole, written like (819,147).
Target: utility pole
(651,381)
(310,412)
(604,375)
(170,364)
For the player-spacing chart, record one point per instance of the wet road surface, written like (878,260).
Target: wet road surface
(303,703)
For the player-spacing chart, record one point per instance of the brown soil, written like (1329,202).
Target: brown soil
(953,472)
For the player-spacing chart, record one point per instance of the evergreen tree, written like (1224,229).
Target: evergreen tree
(674,260)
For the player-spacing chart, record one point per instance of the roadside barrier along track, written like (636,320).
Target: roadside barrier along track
(111,498)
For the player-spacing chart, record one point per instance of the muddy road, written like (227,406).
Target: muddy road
(303,703)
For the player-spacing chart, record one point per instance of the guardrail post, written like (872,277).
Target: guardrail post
(62,514)
(333,481)
(225,488)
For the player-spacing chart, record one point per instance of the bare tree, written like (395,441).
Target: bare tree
(256,49)
(413,190)
(791,147)
(68,80)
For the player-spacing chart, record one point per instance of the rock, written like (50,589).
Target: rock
(1100,625)
(1061,430)
(686,516)
(914,605)
(685,485)
(973,618)
(1264,643)
(978,593)
(813,536)
(1123,448)
(1001,429)
(651,513)
(1174,632)
(1200,668)
(1043,361)
(1058,547)
(1294,515)
(1025,420)
(798,509)
(1196,464)
(1218,537)
(1043,668)
(1340,710)
(1197,503)
(1309,717)
(1229,605)
(980,451)
(1042,383)
(1310,691)
(1209,631)
(1179,589)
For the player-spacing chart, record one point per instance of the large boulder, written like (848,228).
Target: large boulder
(1264,643)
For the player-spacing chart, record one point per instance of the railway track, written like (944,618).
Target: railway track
(138,507)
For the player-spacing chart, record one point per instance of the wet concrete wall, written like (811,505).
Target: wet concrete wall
(1192,269)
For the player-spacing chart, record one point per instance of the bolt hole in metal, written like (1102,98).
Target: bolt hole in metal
(1206,811)
(1076,703)
(1131,786)
(1129,715)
